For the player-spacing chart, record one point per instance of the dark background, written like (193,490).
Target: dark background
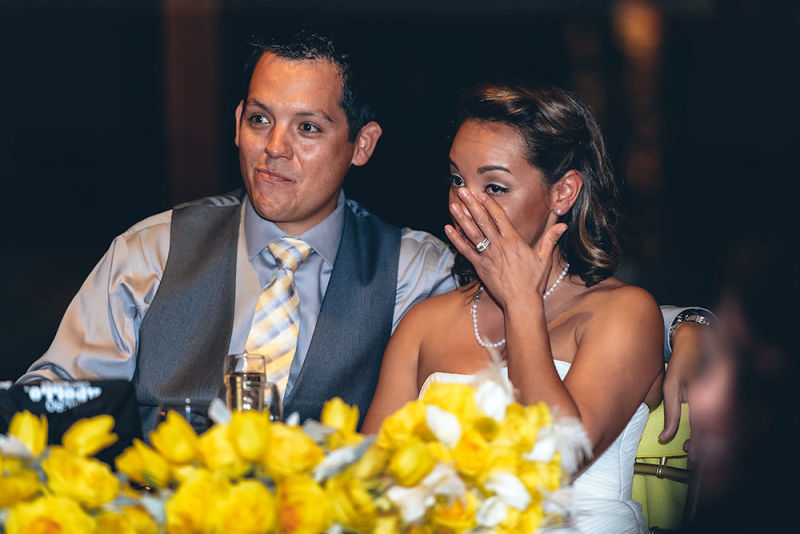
(111,114)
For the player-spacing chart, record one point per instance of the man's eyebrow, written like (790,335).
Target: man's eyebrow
(315,113)
(311,113)
(257,104)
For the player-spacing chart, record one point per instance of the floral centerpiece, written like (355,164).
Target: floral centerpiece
(461,459)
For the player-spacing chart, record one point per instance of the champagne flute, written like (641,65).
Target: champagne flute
(245,381)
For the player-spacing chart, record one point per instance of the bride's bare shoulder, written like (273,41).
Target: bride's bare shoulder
(438,308)
(614,300)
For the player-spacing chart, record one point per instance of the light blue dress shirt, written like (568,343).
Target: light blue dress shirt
(98,335)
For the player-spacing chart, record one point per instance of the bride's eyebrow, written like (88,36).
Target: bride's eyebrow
(488,168)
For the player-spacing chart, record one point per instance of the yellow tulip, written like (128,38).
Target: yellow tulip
(387,524)
(500,459)
(114,522)
(471,453)
(190,509)
(303,507)
(142,522)
(405,423)
(290,451)
(339,415)
(456,516)
(17,487)
(49,514)
(371,463)
(521,426)
(144,465)
(86,480)
(458,399)
(411,463)
(30,430)
(249,433)
(175,439)
(486,427)
(247,508)
(219,454)
(352,503)
(530,519)
(87,437)
(521,521)
(539,476)
(441,452)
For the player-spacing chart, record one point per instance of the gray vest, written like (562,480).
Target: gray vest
(187,329)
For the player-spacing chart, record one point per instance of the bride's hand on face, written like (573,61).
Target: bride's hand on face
(508,265)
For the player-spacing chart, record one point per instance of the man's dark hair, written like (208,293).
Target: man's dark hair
(308,45)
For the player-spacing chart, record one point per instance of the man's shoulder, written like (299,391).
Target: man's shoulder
(160,222)
(232,198)
(420,239)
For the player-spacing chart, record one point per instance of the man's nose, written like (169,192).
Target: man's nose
(278,143)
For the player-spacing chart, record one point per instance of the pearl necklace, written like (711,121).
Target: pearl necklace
(477,298)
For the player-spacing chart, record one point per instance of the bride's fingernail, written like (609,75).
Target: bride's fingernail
(463,193)
(482,196)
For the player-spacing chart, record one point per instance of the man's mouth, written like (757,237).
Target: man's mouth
(271,176)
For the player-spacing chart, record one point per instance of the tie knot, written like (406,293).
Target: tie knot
(289,252)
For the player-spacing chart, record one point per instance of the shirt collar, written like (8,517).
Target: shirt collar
(324,238)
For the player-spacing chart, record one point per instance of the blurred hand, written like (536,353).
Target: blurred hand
(688,341)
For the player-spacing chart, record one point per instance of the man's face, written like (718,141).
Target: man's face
(293,141)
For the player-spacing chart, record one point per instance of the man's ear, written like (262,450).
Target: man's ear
(239,109)
(365,143)
(565,192)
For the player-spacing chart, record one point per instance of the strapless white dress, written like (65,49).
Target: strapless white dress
(602,501)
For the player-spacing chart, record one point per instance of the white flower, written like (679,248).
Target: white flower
(13,447)
(218,412)
(317,431)
(336,460)
(494,391)
(509,489)
(444,425)
(293,419)
(492,511)
(493,399)
(567,436)
(545,447)
(413,502)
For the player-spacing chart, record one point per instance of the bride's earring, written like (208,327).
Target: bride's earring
(558,211)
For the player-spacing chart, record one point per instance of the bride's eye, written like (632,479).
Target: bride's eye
(496,188)
(456,180)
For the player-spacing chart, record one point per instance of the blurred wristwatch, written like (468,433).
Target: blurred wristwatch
(689,315)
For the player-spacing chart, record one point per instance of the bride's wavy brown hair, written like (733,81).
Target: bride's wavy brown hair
(560,134)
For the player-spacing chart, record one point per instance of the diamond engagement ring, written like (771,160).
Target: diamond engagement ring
(480,247)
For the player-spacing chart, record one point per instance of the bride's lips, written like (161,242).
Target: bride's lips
(271,176)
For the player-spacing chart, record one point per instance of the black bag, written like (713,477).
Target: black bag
(66,402)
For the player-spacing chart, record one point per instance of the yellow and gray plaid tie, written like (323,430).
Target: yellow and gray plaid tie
(276,321)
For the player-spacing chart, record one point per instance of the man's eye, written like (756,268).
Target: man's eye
(308,127)
(456,180)
(258,119)
(495,188)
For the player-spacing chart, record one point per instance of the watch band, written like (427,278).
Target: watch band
(691,315)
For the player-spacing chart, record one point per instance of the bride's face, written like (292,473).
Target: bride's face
(490,157)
